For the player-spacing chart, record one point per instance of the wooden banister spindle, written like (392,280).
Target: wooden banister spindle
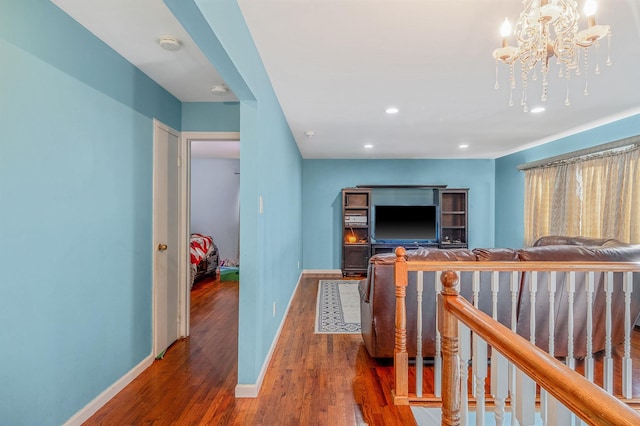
(419,359)
(499,365)
(551,287)
(448,326)
(546,402)
(533,289)
(550,408)
(590,288)
(401,357)
(514,286)
(608,360)
(464,344)
(479,357)
(571,290)
(437,359)
(626,361)
(525,386)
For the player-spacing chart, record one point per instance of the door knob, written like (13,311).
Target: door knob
(162,247)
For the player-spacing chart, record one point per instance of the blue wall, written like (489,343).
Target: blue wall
(75,223)
(76,196)
(211,116)
(510,181)
(322,202)
(270,167)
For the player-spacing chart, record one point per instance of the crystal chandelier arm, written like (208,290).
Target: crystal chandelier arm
(547,28)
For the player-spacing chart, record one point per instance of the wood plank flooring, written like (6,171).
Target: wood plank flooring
(313,379)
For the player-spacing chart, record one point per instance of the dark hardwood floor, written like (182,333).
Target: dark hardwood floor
(313,379)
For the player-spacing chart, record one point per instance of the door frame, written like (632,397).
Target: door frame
(185,217)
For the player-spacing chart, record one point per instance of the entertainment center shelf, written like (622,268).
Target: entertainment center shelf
(356,217)
(378,218)
(377,248)
(453,218)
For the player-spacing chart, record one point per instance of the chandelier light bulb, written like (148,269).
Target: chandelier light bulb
(505,28)
(590,7)
(590,11)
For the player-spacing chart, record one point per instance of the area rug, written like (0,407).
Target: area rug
(338,307)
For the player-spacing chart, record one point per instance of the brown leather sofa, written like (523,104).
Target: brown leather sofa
(377,294)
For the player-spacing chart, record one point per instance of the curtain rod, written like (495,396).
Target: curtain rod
(633,140)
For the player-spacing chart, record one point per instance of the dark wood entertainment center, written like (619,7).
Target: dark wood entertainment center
(358,231)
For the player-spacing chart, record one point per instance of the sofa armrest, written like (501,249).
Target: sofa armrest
(364,288)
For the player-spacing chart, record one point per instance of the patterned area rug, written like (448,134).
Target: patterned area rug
(338,307)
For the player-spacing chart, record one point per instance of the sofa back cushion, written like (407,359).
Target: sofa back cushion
(563,240)
(606,251)
(434,254)
(496,254)
(618,253)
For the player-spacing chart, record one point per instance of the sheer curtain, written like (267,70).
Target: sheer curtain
(596,196)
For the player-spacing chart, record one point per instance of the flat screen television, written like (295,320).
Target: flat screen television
(408,223)
(405,223)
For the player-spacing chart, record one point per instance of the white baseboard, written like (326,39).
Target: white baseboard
(251,390)
(241,390)
(100,400)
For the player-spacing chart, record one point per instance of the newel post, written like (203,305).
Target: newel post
(448,327)
(401,357)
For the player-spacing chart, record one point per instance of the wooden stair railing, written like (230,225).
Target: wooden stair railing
(590,402)
(447,345)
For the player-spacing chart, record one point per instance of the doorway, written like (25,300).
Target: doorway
(212,145)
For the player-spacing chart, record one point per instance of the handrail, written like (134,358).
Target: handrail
(585,399)
(517,266)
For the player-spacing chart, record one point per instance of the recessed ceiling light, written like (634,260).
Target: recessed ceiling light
(309,133)
(392,110)
(537,110)
(463,146)
(368,146)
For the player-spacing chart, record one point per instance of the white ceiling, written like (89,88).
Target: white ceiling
(133,29)
(336,65)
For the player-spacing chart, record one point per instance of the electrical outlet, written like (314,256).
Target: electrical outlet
(298,264)
(261,205)
(274,309)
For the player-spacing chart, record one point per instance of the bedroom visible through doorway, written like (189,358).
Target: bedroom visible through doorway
(212,205)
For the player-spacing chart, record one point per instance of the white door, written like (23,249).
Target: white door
(166,243)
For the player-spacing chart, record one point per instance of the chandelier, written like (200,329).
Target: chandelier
(548,29)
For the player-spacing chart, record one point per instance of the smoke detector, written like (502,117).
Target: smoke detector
(170,43)
(219,90)
(309,133)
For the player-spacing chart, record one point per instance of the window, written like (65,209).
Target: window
(594,196)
